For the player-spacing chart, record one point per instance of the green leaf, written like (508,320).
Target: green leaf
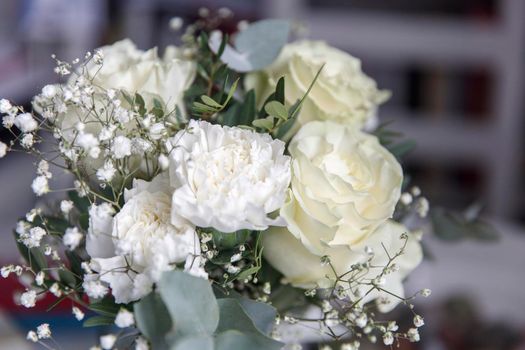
(265,123)
(248,110)
(276,109)
(284,128)
(97,321)
(262,314)
(67,278)
(451,226)
(255,47)
(157,112)
(231,92)
(190,302)
(81,203)
(153,319)
(105,307)
(296,107)
(279,91)
(229,240)
(235,340)
(139,102)
(401,149)
(248,272)
(229,117)
(127,97)
(195,343)
(157,104)
(224,41)
(235,317)
(210,102)
(202,108)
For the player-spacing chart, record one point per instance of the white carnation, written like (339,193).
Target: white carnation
(142,241)
(25,122)
(227,178)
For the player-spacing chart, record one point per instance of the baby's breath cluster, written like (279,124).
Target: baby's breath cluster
(344,313)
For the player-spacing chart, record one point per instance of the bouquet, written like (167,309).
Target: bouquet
(219,196)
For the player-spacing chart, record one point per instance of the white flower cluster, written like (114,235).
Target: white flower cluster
(156,190)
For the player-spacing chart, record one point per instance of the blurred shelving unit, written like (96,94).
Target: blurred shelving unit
(445,38)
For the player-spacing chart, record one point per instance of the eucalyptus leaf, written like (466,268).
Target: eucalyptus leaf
(153,319)
(235,340)
(195,343)
(255,47)
(452,226)
(234,316)
(190,302)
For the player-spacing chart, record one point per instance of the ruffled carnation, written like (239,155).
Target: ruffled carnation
(227,178)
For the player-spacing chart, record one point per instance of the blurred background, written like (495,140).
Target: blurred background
(457,73)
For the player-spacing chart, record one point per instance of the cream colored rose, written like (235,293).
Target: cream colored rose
(342,93)
(128,68)
(344,185)
(303,269)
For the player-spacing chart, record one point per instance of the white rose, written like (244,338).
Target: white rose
(344,185)
(144,241)
(342,93)
(303,268)
(128,68)
(227,178)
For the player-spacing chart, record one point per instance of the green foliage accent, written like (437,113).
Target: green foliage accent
(81,203)
(229,240)
(185,314)
(67,278)
(140,104)
(262,314)
(97,321)
(452,226)
(209,106)
(389,139)
(153,320)
(276,109)
(190,302)
(194,343)
(105,307)
(254,48)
